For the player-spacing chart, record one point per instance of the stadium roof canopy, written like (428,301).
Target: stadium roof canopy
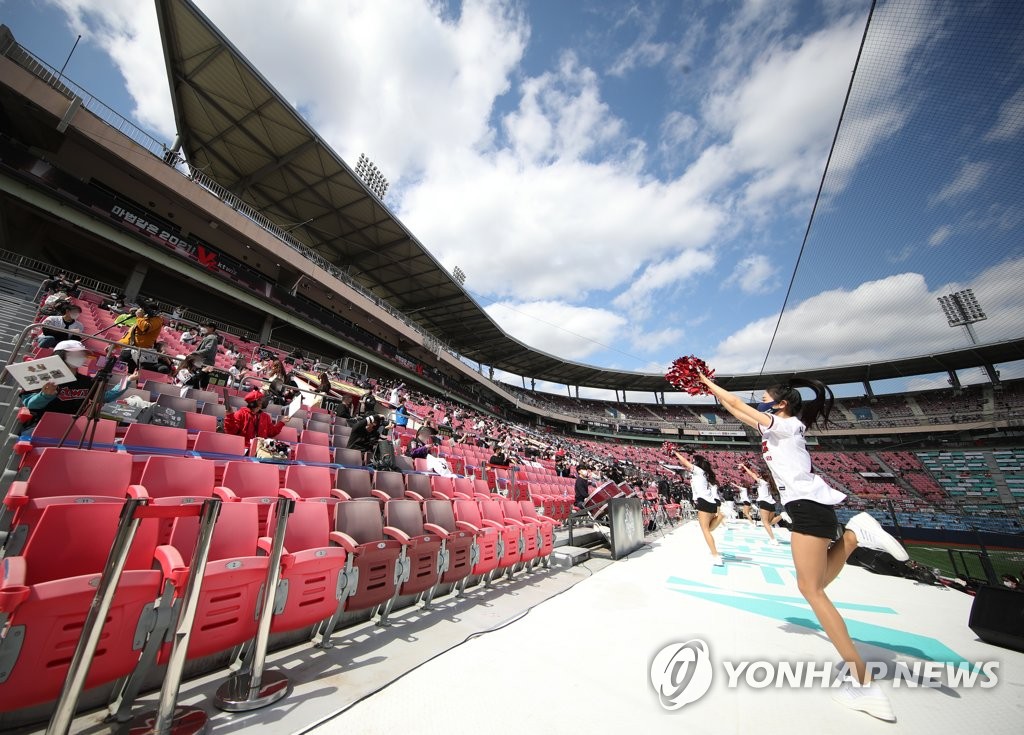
(237,129)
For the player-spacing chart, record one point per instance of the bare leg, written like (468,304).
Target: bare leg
(717,521)
(811,559)
(838,555)
(766,521)
(705,520)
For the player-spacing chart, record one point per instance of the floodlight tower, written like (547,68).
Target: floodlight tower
(459,275)
(962,310)
(371,175)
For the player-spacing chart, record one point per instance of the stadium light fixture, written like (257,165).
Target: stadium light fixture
(962,309)
(371,175)
(459,275)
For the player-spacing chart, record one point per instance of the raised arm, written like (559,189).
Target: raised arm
(736,406)
(750,472)
(683,460)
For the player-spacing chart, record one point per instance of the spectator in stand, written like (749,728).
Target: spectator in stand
(498,459)
(396,394)
(238,373)
(67,319)
(144,333)
(324,382)
(68,397)
(188,336)
(582,489)
(207,348)
(366,433)
(193,373)
(277,385)
(1010,581)
(419,445)
(250,421)
(157,363)
(116,305)
(401,414)
(369,404)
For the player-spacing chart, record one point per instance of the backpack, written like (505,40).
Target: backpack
(384,457)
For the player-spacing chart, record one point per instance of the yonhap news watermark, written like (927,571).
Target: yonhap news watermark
(682,673)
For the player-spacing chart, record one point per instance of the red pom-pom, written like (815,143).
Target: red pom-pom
(684,375)
(668,447)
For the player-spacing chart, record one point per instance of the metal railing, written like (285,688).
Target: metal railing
(39,68)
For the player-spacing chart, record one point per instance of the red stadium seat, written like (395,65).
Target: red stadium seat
(354,484)
(545,524)
(388,485)
(318,438)
(372,554)
(62,475)
(312,453)
(51,427)
(423,549)
(512,532)
(459,545)
(488,539)
(253,482)
(419,487)
(47,592)
(530,530)
(309,589)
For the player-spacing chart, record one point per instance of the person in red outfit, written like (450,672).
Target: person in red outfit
(251,421)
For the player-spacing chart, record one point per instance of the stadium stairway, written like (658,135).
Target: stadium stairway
(909,489)
(18,309)
(999,478)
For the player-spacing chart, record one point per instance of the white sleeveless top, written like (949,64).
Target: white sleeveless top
(700,487)
(764,492)
(785,452)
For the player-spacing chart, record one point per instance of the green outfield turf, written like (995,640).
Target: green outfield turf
(1004,562)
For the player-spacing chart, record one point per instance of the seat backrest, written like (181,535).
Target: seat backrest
(481,487)
(206,396)
(64,471)
(234,535)
(443,485)
(140,436)
(405,464)
(528,509)
(405,515)
(361,521)
(214,443)
(176,402)
(251,479)
(52,425)
(350,457)
(309,526)
(216,410)
(419,484)
(440,513)
(392,483)
(420,464)
(164,389)
(60,548)
(169,477)
(355,482)
(491,511)
(319,438)
(288,434)
(200,422)
(308,482)
(511,509)
(468,511)
(463,485)
(312,453)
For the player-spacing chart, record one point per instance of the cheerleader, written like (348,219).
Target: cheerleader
(703,484)
(819,543)
(742,499)
(765,501)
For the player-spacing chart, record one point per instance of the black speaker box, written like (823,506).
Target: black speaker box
(997,617)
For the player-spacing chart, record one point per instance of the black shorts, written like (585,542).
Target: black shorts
(745,502)
(706,506)
(766,506)
(814,519)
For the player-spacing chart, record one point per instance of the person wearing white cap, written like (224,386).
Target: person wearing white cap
(68,397)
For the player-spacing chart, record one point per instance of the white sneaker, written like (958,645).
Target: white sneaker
(716,561)
(871,535)
(774,541)
(867,698)
(786,517)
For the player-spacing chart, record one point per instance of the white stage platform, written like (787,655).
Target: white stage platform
(570,651)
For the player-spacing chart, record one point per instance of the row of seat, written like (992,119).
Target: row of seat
(341,554)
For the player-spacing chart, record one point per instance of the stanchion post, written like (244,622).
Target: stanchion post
(169,720)
(64,712)
(258,688)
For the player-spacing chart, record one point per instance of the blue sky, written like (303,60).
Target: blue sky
(625,183)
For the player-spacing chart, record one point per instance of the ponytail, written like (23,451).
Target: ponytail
(811,413)
(702,462)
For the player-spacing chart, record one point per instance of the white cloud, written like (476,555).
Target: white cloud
(1010,122)
(649,341)
(754,274)
(941,234)
(904,318)
(969,178)
(128,32)
(638,299)
(641,54)
(570,332)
